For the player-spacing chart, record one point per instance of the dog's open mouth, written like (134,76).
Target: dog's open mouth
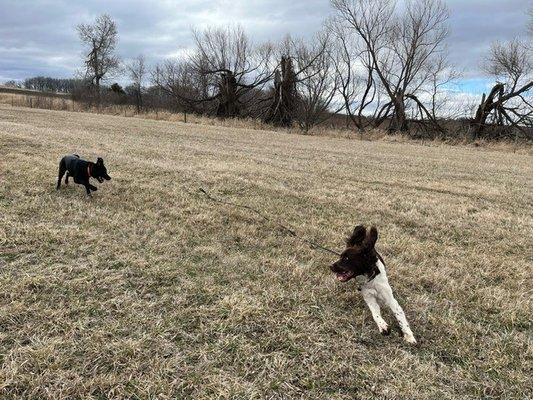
(344,276)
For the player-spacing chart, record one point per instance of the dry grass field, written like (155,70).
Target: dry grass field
(149,290)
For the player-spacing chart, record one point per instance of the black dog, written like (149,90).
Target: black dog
(81,171)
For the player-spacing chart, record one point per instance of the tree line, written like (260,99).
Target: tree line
(374,62)
(47,84)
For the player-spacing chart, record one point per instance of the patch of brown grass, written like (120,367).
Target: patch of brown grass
(150,290)
(43,102)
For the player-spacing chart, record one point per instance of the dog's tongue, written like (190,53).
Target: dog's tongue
(342,276)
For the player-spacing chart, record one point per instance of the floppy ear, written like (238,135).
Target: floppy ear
(357,237)
(99,161)
(371,238)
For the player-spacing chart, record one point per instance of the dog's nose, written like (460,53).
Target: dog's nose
(333,267)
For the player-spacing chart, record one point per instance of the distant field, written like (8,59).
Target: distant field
(150,290)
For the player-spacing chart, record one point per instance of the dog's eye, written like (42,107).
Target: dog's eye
(345,258)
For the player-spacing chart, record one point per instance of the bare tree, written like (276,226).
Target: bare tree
(136,69)
(284,98)
(181,81)
(231,67)
(510,62)
(317,82)
(100,40)
(303,83)
(355,73)
(509,103)
(401,45)
(441,75)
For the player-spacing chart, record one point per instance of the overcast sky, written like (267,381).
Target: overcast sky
(38,37)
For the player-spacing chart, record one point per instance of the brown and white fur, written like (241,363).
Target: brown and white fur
(360,260)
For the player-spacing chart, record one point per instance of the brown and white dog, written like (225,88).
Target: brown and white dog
(361,260)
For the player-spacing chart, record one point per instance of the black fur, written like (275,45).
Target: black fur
(81,171)
(357,236)
(360,255)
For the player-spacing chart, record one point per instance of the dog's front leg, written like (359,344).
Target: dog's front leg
(62,169)
(88,188)
(370,300)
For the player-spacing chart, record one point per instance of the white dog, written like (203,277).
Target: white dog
(360,259)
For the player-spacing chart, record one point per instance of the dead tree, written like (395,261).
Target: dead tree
(496,105)
(285,101)
(100,39)
(231,67)
(509,103)
(228,99)
(303,83)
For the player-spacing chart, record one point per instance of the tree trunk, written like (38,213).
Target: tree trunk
(97,87)
(399,122)
(283,108)
(138,99)
(485,108)
(228,106)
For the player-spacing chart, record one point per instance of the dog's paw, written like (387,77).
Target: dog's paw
(384,330)
(409,339)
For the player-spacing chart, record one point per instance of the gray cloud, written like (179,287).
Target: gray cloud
(39,38)
(476,23)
